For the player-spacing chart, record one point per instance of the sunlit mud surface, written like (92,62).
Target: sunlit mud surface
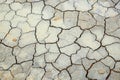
(59,39)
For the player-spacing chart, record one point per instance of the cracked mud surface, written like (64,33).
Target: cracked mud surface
(59,39)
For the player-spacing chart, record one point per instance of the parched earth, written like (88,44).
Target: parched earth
(59,39)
